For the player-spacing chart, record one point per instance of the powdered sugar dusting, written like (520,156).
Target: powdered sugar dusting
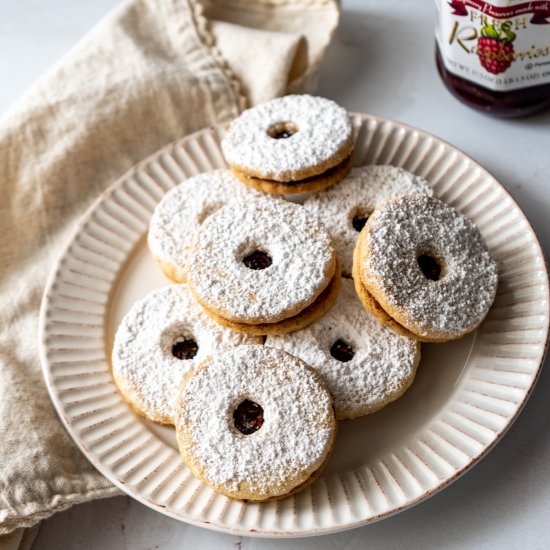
(183,209)
(143,364)
(301,251)
(324,129)
(298,420)
(362,191)
(410,226)
(383,364)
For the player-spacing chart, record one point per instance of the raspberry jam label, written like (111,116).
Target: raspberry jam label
(502,45)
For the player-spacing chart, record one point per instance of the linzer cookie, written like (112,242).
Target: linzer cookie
(364,364)
(289,145)
(264,267)
(427,268)
(344,209)
(181,212)
(255,423)
(162,338)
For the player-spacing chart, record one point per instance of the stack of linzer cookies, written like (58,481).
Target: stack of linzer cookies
(285,316)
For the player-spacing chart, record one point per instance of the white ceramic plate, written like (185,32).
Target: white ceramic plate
(466,395)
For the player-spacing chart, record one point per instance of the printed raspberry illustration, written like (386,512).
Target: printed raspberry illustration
(495,49)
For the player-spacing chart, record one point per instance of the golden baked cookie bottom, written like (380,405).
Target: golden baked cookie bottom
(312,183)
(311,313)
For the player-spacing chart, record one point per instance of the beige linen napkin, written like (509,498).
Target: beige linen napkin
(149,73)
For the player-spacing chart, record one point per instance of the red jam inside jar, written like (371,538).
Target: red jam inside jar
(515,103)
(495,56)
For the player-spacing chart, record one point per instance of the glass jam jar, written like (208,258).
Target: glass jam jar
(495,56)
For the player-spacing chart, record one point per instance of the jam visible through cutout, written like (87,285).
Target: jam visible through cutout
(258,260)
(359,222)
(282,130)
(186,349)
(342,351)
(248,417)
(429,267)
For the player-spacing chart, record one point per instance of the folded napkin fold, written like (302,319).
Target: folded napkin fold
(148,73)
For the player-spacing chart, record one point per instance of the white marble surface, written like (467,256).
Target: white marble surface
(381,62)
